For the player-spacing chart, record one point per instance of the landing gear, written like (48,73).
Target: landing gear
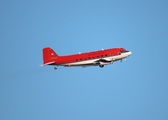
(55,67)
(101,66)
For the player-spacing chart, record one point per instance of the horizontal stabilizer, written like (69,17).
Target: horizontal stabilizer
(49,63)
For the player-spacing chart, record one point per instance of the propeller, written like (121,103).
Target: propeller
(122,60)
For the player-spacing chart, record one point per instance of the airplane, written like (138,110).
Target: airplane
(95,58)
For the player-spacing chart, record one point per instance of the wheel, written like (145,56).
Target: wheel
(101,66)
(55,67)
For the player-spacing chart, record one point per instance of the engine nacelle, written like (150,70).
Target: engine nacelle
(106,63)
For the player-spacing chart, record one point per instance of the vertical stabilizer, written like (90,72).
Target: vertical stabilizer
(49,56)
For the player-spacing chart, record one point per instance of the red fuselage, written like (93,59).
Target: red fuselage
(88,56)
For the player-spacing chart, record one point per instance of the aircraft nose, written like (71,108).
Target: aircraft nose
(130,53)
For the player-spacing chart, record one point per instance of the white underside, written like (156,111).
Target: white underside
(93,61)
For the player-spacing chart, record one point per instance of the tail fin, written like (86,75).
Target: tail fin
(49,56)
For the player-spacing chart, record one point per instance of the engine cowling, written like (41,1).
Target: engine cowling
(106,63)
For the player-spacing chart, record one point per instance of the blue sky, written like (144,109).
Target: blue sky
(135,89)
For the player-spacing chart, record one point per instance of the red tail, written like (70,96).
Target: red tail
(49,55)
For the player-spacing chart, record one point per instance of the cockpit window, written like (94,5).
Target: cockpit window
(123,51)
